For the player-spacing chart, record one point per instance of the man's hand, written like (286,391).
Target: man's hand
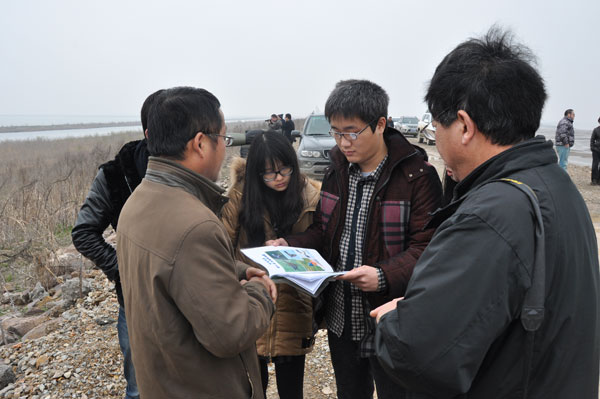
(263,279)
(364,277)
(279,242)
(254,272)
(383,309)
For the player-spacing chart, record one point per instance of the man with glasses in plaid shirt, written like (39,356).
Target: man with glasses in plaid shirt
(375,200)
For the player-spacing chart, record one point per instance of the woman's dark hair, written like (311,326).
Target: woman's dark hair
(146,108)
(282,208)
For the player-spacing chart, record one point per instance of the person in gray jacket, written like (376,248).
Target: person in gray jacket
(565,138)
(504,301)
(595,147)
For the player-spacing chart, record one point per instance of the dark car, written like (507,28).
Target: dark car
(315,145)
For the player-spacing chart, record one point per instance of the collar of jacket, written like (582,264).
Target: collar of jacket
(398,147)
(164,171)
(528,154)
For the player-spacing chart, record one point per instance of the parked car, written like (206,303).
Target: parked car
(407,125)
(315,145)
(426,130)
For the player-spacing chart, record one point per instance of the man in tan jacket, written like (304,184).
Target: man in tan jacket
(196,313)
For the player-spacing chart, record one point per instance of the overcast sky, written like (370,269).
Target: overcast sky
(261,57)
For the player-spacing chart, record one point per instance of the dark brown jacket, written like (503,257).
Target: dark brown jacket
(290,332)
(406,193)
(192,325)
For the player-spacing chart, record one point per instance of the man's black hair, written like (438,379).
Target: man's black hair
(177,115)
(146,107)
(289,116)
(493,80)
(357,99)
(568,112)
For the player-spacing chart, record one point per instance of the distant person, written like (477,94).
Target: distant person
(274,124)
(194,313)
(390,122)
(504,301)
(375,201)
(565,138)
(270,197)
(288,126)
(595,147)
(111,187)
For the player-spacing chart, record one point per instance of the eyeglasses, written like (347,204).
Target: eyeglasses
(228,139)
(349,136)
(283,172)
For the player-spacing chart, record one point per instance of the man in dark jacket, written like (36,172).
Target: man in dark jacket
(595,147)
(375,200)
(565,138)
(288,126)
(503,303)
(111,187)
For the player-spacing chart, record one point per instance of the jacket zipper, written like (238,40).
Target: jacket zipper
(337,224)
(248,376)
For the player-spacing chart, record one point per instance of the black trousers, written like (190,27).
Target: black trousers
(354,375)
(595,167)
(289,373)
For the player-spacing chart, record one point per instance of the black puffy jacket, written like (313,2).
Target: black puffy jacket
(595,140)
(111,187)
(458,333)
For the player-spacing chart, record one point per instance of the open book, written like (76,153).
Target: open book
(301,267)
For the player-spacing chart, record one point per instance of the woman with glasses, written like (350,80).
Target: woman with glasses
(270,198)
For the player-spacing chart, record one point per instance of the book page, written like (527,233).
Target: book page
(282,260)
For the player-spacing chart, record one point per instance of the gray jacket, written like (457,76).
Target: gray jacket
(565,134)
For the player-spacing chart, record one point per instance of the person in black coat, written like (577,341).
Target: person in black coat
(112,186)
(595,147)
(504,301)
(288,126)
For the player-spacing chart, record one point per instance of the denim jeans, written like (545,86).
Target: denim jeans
(131,391)
(354,374)
(563,155)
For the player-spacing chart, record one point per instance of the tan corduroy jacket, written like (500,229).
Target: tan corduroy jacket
(192,325)
(290,332)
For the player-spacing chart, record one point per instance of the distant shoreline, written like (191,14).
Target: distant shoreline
(64,126)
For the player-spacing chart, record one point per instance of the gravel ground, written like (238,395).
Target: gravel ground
(81,358)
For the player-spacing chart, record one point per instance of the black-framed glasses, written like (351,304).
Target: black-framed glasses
(351,135)
(284,172)
(228,139)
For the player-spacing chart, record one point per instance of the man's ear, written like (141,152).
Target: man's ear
(198,143)
(469,128)
(146,133)
(381,124)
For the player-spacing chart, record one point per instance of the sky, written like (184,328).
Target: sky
(261,57)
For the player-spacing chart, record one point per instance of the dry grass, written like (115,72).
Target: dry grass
(42,186)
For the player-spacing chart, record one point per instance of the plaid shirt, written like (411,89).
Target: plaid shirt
(347,307)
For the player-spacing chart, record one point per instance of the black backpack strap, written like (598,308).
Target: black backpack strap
(532,312)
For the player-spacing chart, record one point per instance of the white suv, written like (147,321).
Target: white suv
(426,130)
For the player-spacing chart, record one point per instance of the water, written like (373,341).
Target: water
(61,134)
(41,120)
(45,120)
